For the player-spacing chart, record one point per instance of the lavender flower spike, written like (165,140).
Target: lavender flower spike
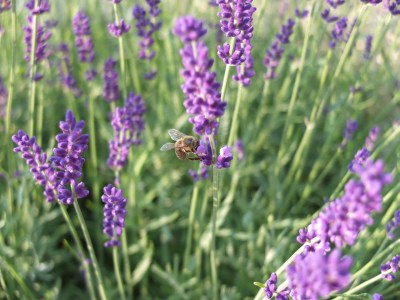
(118,29)
(114,214)
(368,46)
(68,161)
(314,275)
(203,100)
(128,124)
(390,268)
(110,77)
(43,173)
(393,226)
(146,27)
(83,42)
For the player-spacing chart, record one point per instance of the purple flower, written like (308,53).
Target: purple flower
(390,268)
(335,3)
(68,161)
(236,22)
(344,218)
(203,99)
(114,214)
(393,226)
(115,1)
(42,7)
(327,17)
(83,42)
(146,26)
(271,286)
(377,296)
(128,124)
(65,71)
(373,2)
(5,5)
(359,159)
(393,6)
(368,46)
(224,158)
(315,275)
(203,174)
(274,53)
(351,127)
(118,29)
(239,150)
(43,173)
(301,14)
(189,29)
(204,152)
(337,34)
(110,78)
(3,98)
(372,137)
(42,37)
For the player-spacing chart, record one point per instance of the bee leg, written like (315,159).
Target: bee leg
(194,158)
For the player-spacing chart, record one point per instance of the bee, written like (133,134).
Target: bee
(184,145)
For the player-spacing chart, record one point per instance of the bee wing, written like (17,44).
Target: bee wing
(167,146)
(176,134)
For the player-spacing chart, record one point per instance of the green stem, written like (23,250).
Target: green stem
(118,273)
(81,253)
(90,247)
(32,71)
(234,124)
(93,149)
(121,54)
(188,246)
(226,74)
(214,272)
(362,285)
(288,129)
(40,116)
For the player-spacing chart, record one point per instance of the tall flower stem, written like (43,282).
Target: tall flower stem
(93,148)
(11,85)
(121,54)
(188,246)
(32,72)
(118,273)
(288,128)
(80,250)
(90,248)
(125,254)
(226,74)
(234,124)
(214,272)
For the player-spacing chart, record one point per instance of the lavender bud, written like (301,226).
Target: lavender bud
(390,268)
(114,214)
(110,78)
(392,228)
(42,7)
(368,46)
(189,29)
(224,158)
(117,30)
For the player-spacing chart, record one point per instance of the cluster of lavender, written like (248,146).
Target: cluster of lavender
(111,91)
(316,275)
(390,268)
(364,153)
(354,209)
(236,22)
(203,99)
(274,53)
(393,6)
(368,46)
(351,127)
(41,38)
(83,42)
(60,174)
(114,214)
(338,33)
(146,26)
(119,27)
(65,71)
(3,98)
(128,124)
(393,226)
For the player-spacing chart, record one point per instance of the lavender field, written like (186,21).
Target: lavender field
(228,149)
